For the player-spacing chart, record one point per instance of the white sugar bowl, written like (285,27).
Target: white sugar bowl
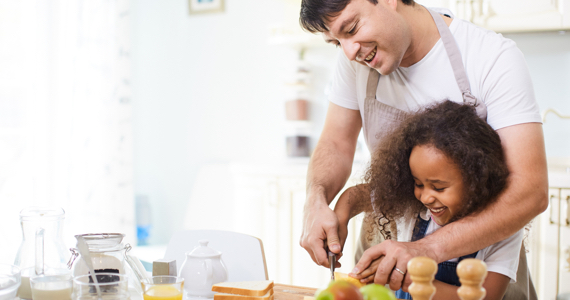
(202,268)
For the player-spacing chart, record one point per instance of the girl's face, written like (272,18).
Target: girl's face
(438,182)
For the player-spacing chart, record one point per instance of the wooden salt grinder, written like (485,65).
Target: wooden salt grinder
(472,273)
(422,270)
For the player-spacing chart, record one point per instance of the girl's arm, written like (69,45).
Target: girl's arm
(495,284)
(353,201)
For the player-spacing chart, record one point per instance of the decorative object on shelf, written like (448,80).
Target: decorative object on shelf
(298,146)
(298,135)
(205,6)
(297,110)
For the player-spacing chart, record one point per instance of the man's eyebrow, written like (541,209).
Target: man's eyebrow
(345,23)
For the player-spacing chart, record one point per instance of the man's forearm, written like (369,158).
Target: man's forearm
(327,160)
(475,232)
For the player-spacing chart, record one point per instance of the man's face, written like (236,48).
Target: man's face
(373,35)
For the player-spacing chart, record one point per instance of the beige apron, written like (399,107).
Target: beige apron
(379,119)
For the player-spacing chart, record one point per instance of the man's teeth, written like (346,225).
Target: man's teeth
(437,210)
(371,56)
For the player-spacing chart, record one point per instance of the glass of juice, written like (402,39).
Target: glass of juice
(51,287)
(163,288)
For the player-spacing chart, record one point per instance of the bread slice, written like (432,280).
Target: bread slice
(223,296)
(245,288)
(345,277)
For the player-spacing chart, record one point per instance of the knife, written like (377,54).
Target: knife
(332,262)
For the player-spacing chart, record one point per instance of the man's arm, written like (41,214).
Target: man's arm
(526,196)
(329,169)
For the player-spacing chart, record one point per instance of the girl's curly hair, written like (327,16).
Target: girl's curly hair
(457,131)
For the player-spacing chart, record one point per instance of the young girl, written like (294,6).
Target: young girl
(438,166)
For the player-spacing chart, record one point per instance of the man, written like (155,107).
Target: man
(400,40)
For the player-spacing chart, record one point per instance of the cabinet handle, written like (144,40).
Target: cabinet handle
(551,208)
(568,210)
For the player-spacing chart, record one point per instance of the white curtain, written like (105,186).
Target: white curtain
(65,115)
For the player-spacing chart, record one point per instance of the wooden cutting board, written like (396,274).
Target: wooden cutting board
(291,292)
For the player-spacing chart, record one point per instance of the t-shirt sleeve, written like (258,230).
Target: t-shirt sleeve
(508,90)
(343,91)
(503,257)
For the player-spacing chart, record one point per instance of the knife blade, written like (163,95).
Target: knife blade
(332,263)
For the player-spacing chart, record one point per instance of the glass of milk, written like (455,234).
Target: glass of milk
(9,281)
(52,287)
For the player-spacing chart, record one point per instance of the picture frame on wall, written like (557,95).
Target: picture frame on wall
(205,6)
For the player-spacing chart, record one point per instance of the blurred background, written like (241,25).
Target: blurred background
(148,117)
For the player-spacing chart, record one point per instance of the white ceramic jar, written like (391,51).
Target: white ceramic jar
(202,268)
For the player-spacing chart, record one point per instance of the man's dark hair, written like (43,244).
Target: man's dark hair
(316,13)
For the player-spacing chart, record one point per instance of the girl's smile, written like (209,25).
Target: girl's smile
(438,182)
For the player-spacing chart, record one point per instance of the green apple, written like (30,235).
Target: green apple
(377,292)
(340,290)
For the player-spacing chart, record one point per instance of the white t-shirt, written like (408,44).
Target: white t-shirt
(501,257)
(495,67)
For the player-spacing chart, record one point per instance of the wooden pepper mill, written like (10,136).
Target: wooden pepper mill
(472,273)
(422,270)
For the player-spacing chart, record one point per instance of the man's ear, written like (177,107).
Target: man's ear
(391,3)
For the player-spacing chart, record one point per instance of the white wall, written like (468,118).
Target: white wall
(206,89)
(548,58)
(210,89)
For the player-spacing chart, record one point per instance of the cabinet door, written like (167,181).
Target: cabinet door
(518,15)
(564,262)
(510,15)
(545,242)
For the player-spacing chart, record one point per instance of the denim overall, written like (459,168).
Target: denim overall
(445,270)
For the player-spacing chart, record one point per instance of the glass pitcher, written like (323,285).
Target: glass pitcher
(42,244)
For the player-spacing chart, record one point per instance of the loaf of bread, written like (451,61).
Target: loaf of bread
(223,296)
(244,290)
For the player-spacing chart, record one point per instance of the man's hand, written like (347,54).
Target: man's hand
(394,255)
(320,229)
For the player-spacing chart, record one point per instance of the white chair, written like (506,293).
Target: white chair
(242,254)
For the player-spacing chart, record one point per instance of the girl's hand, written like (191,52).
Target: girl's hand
(395,255)
(367,276)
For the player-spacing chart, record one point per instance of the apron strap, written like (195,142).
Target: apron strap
(372,84)
(457,65)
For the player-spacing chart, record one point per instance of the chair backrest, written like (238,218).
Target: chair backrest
(242,254)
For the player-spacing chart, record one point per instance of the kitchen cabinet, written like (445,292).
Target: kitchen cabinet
(510,15)
(549,257)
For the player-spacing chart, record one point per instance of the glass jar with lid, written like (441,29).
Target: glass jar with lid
(107,254)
